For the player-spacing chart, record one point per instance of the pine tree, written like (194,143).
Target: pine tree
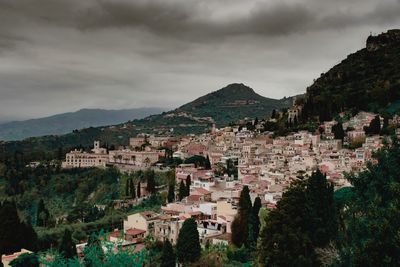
(168,257)
(171,192)
(67,247)
(188,245)
(138,190)
(182,191)
(188,184)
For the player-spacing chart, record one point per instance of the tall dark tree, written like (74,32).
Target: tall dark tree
(188,245)
(171,192)
(322,219)
(139,191)
(208,163)
(255,210)
(9,227)
(93,252)
(26,260)
(372,214)
(149,176)
(338,131)
(168,257)
(188,184)
(42,214)
(374,126)
(127,187)
(273,115)
(284,240)
(182,191)
(67,247)
(132,189)
(240,227)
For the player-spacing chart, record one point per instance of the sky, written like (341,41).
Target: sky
(63,55)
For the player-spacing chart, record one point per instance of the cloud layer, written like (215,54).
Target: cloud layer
(62,55)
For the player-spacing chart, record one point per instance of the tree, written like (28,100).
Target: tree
(372,215)
(171,192)
(26,260)
(127,187)
(284,240)
(168,257)
(256,223)
(208,163)
(338,131)
(132,189)
(188,245)
(374,126)
(9,225)
(240,227)
(67,247)
(139,191)
(182,190)
(273,115)
(93,252)
(188,184)
(149,176)
(322,219)
(42,214)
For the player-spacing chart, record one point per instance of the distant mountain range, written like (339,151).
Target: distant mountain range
(67,122)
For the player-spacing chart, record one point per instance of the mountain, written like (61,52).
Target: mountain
(67,122)
(232,103)
(368,79)
(229,104)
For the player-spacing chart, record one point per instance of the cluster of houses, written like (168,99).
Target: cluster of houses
(265,164)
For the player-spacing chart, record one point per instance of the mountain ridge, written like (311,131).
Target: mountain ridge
(66,122)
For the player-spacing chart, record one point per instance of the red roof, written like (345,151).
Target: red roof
(200,191)
(134,231)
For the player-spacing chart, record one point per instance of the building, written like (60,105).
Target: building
(81,159)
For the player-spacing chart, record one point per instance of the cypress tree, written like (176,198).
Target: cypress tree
(127,187)
(42,214)
(132,189)
(240,227)
(168,257)
(182,191)
(67,247)
(208,163)
(188,183)
(255,210)
(188,245)
(338,131)
(273,115)
(171,192)
(138,190)
(10,241)
(151,183)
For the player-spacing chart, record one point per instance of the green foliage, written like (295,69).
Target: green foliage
(374,126)
(149,176)
(305,219)
(67,247)
(182,191)
(25,260)
(240,225)
(14,234)
(171,193)
(338,131)
(168,257)
(372,213)
(188,245)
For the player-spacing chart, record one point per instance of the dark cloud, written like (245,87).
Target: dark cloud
(71,54)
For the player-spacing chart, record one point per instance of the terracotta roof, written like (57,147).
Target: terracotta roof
(134,231)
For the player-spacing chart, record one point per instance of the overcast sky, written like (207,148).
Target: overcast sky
(63,55)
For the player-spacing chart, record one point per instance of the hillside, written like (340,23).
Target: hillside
(232,103)
(368,79)
(67,122)
(229,104)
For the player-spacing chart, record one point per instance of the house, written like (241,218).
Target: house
(141,221)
